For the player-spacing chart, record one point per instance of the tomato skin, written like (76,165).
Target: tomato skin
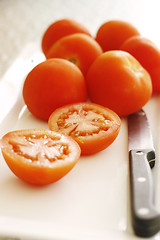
(148,54)
(90,143)
(112,34)
(59,29)
(51,84)
(34,172)
(117,80)
(78,48)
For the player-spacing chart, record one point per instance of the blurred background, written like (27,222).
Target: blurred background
(24,21)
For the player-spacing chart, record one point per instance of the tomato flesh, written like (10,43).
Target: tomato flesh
(92,126)
(39,156)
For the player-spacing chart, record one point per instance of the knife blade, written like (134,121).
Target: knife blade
(145,217)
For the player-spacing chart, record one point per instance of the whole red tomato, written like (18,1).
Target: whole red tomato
(59,29)
(118,81)
(78,48)
(52,84)
(112,34)
(148,54)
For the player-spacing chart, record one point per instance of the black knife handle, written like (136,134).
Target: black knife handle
(145,218)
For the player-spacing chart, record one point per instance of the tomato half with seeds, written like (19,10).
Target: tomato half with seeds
(92,126)
(39,156)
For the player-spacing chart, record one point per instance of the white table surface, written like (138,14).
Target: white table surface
(24,21)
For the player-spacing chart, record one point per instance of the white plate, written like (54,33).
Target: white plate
(90,202)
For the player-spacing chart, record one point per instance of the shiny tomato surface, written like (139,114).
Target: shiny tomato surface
(52,84)
(148,54)
(118,81)
(59,29)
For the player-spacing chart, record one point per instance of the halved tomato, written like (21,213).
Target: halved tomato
(92,126)
(39,156)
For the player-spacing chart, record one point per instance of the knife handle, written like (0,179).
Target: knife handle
(145,218)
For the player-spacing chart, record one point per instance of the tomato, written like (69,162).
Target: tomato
(112,34)
(52,84)
(78,48)
(92,126)
(118,81)
(39,156)
(148,54)
(61,28)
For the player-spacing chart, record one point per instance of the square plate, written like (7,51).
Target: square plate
(90,202)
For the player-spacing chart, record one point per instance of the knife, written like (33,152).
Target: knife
(145,218)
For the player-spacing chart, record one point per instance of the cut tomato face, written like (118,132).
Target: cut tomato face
(39,156)
(92,126)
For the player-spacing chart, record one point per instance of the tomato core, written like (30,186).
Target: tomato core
(73,60)
(41,149)
(83,123)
